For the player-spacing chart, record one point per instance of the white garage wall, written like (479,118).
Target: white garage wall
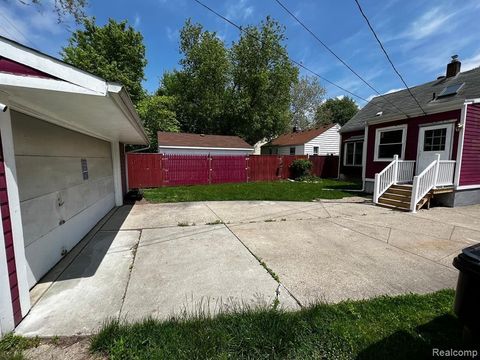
(285,150)
(58,206)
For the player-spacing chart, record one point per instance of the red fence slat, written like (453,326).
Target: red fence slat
(228,169)
(154,170)
(185,169)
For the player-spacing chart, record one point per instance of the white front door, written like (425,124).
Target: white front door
(433,140)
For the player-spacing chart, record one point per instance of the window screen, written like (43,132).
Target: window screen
(435,140)
(292,151)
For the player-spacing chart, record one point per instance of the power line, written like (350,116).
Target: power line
(293,61)
(336,56)
(16,28)
(387,56)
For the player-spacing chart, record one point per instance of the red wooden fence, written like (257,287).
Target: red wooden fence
(154,170)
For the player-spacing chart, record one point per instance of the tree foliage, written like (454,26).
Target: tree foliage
(201,84)
(158,114)
(114,52)
(63,8)
(307,95)
(242,90)
(336,110)
(262,76)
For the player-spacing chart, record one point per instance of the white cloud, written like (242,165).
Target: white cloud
(434,21)
(137,21)
(239,10)
(388,92)
(172,34)
(471,62)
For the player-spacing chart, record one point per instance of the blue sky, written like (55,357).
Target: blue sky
(420,35)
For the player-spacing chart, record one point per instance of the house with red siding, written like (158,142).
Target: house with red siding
(413,151)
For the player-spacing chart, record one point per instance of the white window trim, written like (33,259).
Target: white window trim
(390,128)
(354,151)
(318,150)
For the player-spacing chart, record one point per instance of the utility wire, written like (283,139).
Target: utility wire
(293,61)
(16,29)
(387,56)
(338,57)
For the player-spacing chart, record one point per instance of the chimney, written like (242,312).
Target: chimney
(453,68)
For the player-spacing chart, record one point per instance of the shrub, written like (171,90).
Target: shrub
(300,168)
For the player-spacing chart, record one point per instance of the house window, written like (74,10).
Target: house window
(315,150)
(292,151)
(353,153)
(389,142)
(435,140)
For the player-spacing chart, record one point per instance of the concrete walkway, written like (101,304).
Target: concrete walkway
(164,259)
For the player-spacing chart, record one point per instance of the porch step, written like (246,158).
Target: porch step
(398,204)
(399,197)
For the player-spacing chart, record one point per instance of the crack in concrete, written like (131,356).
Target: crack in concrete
(134,249)
(261,263)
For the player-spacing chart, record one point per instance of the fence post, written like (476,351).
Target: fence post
(395,169)
(165,168)
(437,169)
(247,167)
(209,169)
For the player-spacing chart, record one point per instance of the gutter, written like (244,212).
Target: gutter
(121,97)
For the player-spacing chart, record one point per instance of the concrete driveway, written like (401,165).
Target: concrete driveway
(164,259)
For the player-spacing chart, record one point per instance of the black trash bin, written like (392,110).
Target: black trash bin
(467,296)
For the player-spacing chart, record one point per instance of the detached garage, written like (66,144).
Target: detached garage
(62,165)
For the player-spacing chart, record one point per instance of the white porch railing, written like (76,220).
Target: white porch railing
(398,171)
(438,173)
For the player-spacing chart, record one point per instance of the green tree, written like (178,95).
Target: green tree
(200,85)
(307,95)
(158,114)
(336,110)
(262,78)
(114,52)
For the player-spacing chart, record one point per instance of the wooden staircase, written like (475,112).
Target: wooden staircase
(399,197)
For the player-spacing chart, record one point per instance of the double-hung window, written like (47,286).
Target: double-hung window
(353,153)
(390,142)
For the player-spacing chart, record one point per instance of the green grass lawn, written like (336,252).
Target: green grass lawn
(403,327)
(278,190)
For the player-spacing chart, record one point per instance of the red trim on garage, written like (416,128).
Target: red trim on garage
(8,238)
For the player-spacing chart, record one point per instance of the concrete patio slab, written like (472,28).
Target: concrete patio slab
(324,261)
(88,292)
(257,211)
(196,269)
(141,263)
(148,216)
(429,247)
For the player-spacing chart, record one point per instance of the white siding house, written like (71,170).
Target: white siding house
(201,144)
(320,141)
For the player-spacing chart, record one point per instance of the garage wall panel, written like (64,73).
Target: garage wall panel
(58,205)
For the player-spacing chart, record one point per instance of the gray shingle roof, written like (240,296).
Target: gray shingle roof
(423,93)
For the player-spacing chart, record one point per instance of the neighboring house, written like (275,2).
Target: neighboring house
(324,140)
(200,144)
(62,165)
(395,125)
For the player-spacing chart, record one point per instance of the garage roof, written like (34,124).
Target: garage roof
(42,86)
(201,140)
